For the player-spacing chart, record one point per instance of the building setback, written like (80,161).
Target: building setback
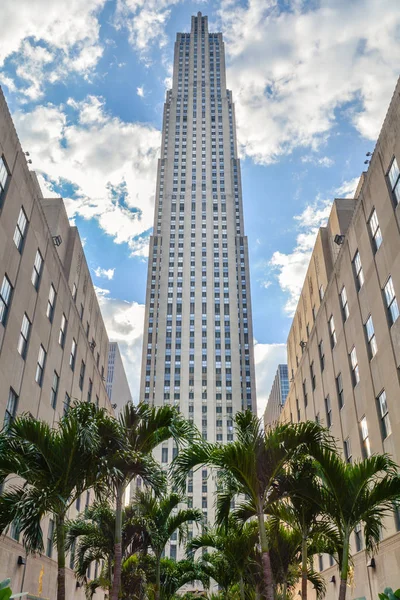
(344,343)
(53,342)
(277,396)
(117,384)
(198,339)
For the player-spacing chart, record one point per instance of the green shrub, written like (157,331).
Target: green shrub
(389,594)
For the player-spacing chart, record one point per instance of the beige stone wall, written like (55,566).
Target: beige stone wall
(63,267)
(381,372)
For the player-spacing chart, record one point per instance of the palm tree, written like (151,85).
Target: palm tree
(253,465)
(354,493)
(175,574)
(236,543)
(161,519)
(141,429)
(57,465)
(302,512)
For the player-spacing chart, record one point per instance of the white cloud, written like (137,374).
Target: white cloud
(267,357)
(124,324)
(110,163)
(105,273)
(293,68)
(348,188)
(140,91)
(323,161)
(8,82)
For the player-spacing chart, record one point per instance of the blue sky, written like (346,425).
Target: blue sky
(86,80)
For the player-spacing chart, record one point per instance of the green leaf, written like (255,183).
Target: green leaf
(5,594)
(5,583)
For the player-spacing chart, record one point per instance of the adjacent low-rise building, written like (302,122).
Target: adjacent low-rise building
(344,343)
(277,396)
(53,342)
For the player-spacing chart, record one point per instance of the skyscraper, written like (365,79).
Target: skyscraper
(277,396)
(198,338)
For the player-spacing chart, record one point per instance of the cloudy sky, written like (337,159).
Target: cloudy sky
(85,81)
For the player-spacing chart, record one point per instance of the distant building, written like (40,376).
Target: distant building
(277,396)
(117,385)
(53,342)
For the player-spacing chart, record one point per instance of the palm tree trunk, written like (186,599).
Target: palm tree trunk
(268,593)
(158,578)
(345,567)
(241,587)
(116,585)
(304,569)
(284,590)
(60,533)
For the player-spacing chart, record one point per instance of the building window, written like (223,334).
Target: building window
(355,373)
(344,303)
(172,552)
(54,390)
(394,177)
(320,562)
(51,303)
(24,336)
(67,403)
(312,374)
(358,271)
(72,555)
(74,292)
(328,409)
(37,270)
(384,415)
(347,450)
(90,389)
(50,536)
(321,292)
(40,365)
(20,230)
(82,375)
(5,299)
(358,537)
(72,356)
(321,352)
(375,230)
(305,393)
(164,455)
(3,178)
(366,448)
(340,393)
(63,331)
(391,302)
(332,331)
(11,408)
(371,339)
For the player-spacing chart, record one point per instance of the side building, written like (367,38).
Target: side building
(344,343)
(117,385)
(53,342)
(277,396)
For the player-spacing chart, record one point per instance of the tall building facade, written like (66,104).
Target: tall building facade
(198,339)
(344,343)
(117,384)
(277,396)
(53,342)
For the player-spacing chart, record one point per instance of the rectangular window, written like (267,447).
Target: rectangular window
(393,175)
(20,230)
(332,331)
(67,403)
(347,450)
(54,390)
(355,373)
(321,354)
(164,455)
(74,292)
(11,408)
(312,374)
(340,393)
(3,178)
(366,448)
(172,552)
(63,331)
(328,409)
(358,537)
(72,555)
(390,298)
(40,365)
(51,303)
(24,336)
(82,375)
(305,393)
(37,270)
(344,303)
(371,339)
(90,389)
(72,356)
(5,299)
(375,230)
(384,415)
(50,536)
(358,270)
